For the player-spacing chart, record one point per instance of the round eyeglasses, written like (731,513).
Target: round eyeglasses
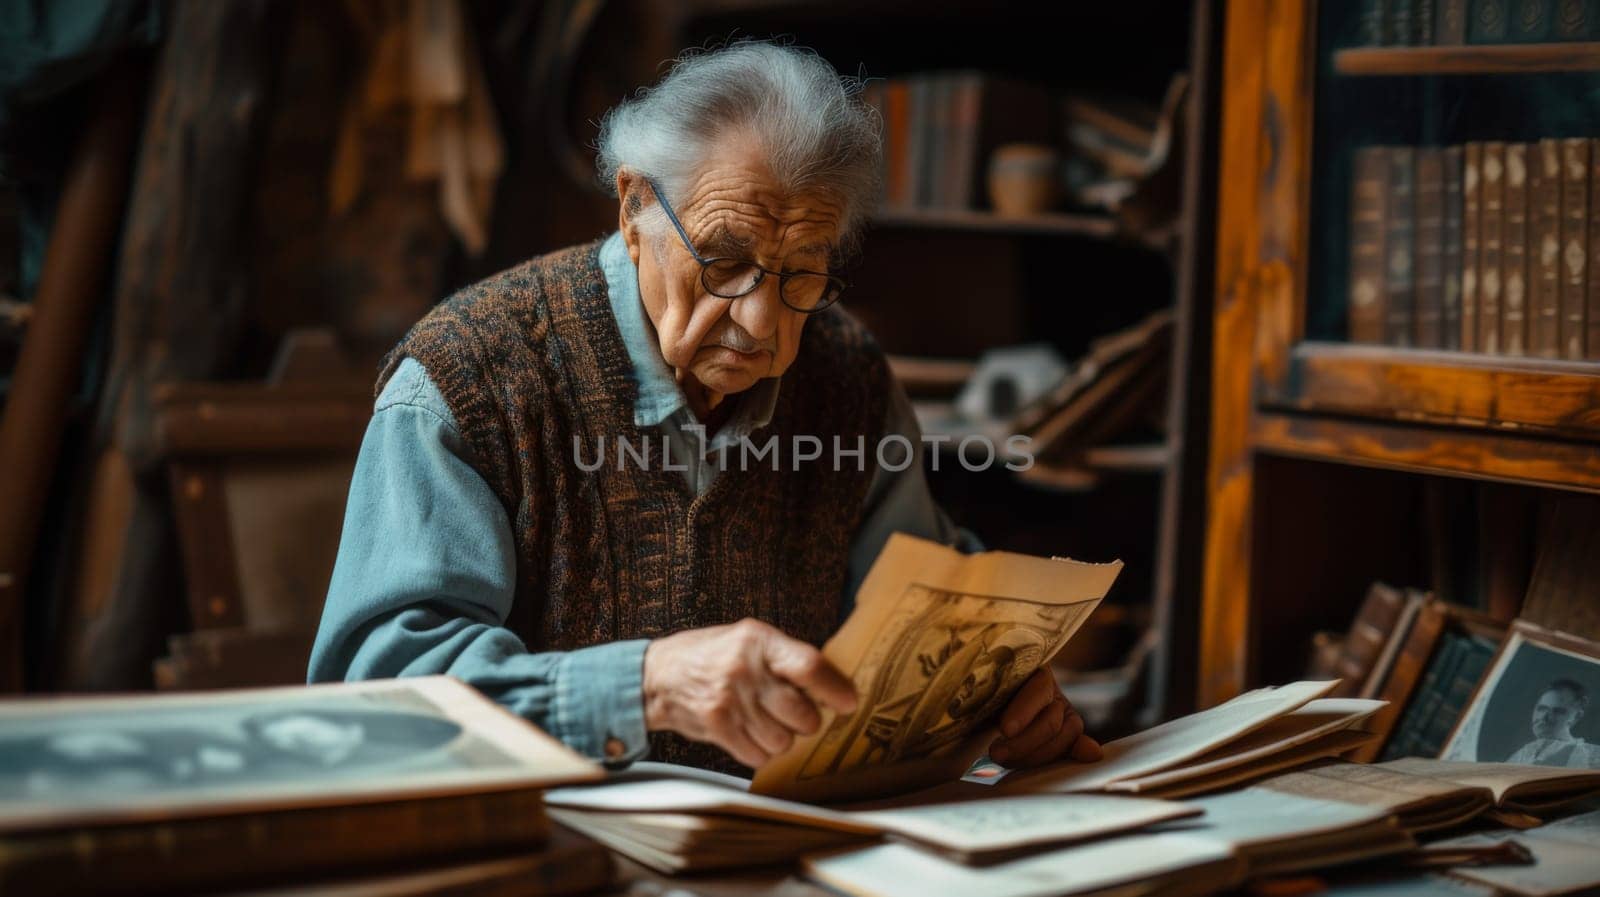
(807,292)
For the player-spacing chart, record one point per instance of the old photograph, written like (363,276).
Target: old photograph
(1533,706)
(93,757)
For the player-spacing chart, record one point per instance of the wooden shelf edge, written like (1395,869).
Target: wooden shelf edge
(1522,395)
(1501,457)
(1480,59)
(1049,224)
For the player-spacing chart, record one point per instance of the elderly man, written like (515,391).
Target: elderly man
(1558,709)
(670,605)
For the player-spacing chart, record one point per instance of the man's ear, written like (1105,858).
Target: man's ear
(632,194)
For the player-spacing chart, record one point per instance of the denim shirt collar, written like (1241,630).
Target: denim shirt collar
(658,394)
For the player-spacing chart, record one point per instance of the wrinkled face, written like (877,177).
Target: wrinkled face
(1554,715)
(732,208)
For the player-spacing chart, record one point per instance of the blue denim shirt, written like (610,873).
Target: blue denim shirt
(426,570)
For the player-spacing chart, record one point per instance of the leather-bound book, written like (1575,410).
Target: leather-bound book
(1491,246)
(1544,257)
(1574,244)
(1369,632)
(1378,679)
(1403,22)
(1471,177)
(1487,21)
(1423,16)
(1530,21)
(1434,620)
(1591,343)
(1514,254)
(1575,20)
(897,139)
(1374,23)
(1369,196)
(1450,23)
(1429,295)
(1450,252)
(1399,238)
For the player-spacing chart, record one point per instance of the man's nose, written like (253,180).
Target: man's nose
(757,311)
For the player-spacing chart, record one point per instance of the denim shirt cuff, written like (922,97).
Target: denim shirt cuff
(599,705)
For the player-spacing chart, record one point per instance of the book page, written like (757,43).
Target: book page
(1359,783)
(1182,784)
(1557,784)
(1563,858)
(1302,726)
(1171,743)
(896,870)
(1006,823)
(938,643)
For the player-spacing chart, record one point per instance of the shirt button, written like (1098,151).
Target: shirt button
(615,749)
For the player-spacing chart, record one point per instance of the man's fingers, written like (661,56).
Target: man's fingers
(770,735)
(1071,732)
(1034,696)
(790,707)
(738,743)
(805,666)
(1045,725)
(1087,750)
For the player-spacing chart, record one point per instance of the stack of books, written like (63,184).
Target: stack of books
(1490,247)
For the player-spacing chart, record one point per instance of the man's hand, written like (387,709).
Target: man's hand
(1040,726)
(745,687)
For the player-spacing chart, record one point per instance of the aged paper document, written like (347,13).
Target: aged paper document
(937,644)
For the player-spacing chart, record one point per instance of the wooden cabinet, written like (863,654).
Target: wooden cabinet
(1305,422)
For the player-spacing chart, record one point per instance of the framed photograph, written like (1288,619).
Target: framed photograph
(1535,705)
(98,760)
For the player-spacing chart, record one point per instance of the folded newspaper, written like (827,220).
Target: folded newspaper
(937,644)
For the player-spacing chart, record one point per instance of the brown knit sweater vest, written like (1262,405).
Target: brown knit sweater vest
(531,359)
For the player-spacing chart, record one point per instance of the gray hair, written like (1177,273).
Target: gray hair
(816,130)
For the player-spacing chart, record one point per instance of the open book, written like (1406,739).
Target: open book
(1240,834)
(698,820)
(673,818)
(1427,795)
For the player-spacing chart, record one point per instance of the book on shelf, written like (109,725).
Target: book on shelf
(1491,203)
(1417,23)
(1450,249)
(1369,631)
(1574,244)
(1591,342)
(940,127)
(1471,242)
(1514,258)
(1544,255)
(1413,694)
(1368,290)
(1428,329)
(91,789)
(1485,247)
(1399,247)
(1394,642)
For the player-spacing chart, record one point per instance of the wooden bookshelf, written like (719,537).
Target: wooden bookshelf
(1526,395)
(1493,59)
(1325,456)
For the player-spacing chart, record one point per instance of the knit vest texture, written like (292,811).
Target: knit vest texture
(535,372)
